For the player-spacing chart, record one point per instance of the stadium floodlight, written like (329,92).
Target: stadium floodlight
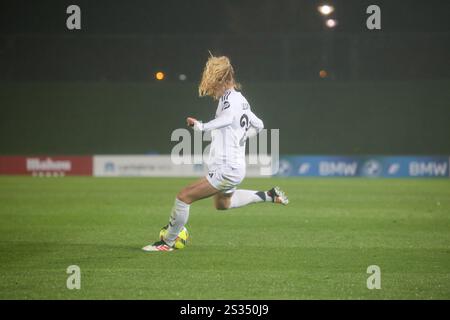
(325,9)
(331,23)
(159,75)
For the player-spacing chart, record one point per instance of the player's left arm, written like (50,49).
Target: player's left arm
(256,125)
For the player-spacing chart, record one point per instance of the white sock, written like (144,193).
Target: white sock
(244,197)
(178,218)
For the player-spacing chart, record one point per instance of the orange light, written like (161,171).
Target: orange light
(323,74)
(159,75)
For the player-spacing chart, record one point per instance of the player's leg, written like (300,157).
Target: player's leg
(180,212)
(222,200)
(200,189)
(240,198)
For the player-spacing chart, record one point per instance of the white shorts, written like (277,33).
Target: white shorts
(225,179)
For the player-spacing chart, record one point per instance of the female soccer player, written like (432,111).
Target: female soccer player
(234,123)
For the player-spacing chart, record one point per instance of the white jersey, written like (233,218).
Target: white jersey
(233,124)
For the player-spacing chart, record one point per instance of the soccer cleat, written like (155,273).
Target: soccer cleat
(163,232)
(158,246)
(278,196)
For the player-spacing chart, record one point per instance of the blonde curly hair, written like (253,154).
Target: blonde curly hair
(218,75)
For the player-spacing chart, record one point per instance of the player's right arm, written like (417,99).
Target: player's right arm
(223,120)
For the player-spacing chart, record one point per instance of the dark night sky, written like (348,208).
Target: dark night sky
(135,36)
(210,16)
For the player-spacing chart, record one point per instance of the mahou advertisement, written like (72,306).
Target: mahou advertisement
(46,165)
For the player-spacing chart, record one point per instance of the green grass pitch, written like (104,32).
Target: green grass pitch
(317,247)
